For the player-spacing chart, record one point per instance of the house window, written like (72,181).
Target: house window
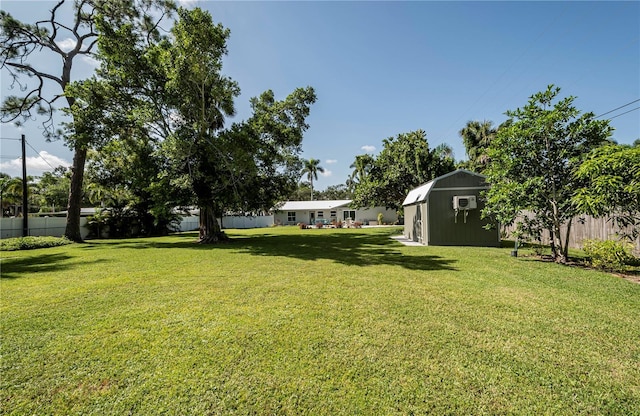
(334,214)
(349,215)
(320,214)
(291,216)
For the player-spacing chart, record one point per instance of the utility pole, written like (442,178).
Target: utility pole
(25,199)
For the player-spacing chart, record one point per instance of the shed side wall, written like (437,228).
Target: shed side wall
(445,228)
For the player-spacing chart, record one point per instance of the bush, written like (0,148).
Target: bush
(98,223)
(609,254)
(30,243)
(319,224)
(380,218)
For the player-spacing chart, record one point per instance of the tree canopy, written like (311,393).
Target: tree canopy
(476,137)
(405,162)
(20,42)
(533,160)
(610,179)
(164,105)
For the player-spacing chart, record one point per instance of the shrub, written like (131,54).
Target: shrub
(30,243)
(303,226)
(380,218)
(357,224)
(609,254)
(97,223)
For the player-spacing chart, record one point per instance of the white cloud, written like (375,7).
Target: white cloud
(330,161)
(326,173)
(36,165)
(187,3)
(67,44)
(368,148)
(91,61)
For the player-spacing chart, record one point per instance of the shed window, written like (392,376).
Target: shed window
(320,214)
(334,214)
(291,216)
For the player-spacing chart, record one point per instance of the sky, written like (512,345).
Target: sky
(384,68)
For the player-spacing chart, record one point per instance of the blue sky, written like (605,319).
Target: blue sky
(384,68)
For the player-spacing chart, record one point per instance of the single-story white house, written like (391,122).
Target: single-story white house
(310,212)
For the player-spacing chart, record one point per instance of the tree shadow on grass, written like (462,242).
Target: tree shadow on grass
(348,248)
(13,268)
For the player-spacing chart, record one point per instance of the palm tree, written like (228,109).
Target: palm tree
(311,169)
(443,151)
(477,136)
(361,167)
(11,192)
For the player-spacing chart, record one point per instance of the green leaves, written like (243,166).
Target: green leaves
(533,159)
(610,179)
(405,162)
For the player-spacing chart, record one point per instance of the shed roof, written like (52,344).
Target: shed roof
(421,193)
(313,205)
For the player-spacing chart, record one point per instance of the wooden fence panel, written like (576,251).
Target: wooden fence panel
(587,228)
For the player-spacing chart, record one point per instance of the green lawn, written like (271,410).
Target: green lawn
(317,322)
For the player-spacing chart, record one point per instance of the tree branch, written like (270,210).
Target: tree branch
(33,71)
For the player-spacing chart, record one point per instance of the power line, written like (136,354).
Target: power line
(510,68)
(9,138)
(39,155)
(622,106)
(621,114)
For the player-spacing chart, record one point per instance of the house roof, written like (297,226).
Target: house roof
(313,205)
(421,193)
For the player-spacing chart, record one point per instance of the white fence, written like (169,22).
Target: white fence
(239,222)
(54,226)
(39,226)
(247,222)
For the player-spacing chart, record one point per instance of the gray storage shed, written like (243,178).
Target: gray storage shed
(446,212)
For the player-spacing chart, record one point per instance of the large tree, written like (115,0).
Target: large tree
(532,167)
(22,42)
(311,169)
(405,162)
(173,95)
(610,178)
(201,98)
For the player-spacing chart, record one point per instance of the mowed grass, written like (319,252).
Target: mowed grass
(317,322)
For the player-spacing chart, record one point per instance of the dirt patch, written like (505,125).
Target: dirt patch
(633,277)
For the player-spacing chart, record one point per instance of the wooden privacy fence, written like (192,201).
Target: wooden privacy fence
(587,228)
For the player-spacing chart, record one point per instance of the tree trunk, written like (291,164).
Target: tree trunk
(559,249)
(210,232)
(72,230)
(566,240)
(552,242)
